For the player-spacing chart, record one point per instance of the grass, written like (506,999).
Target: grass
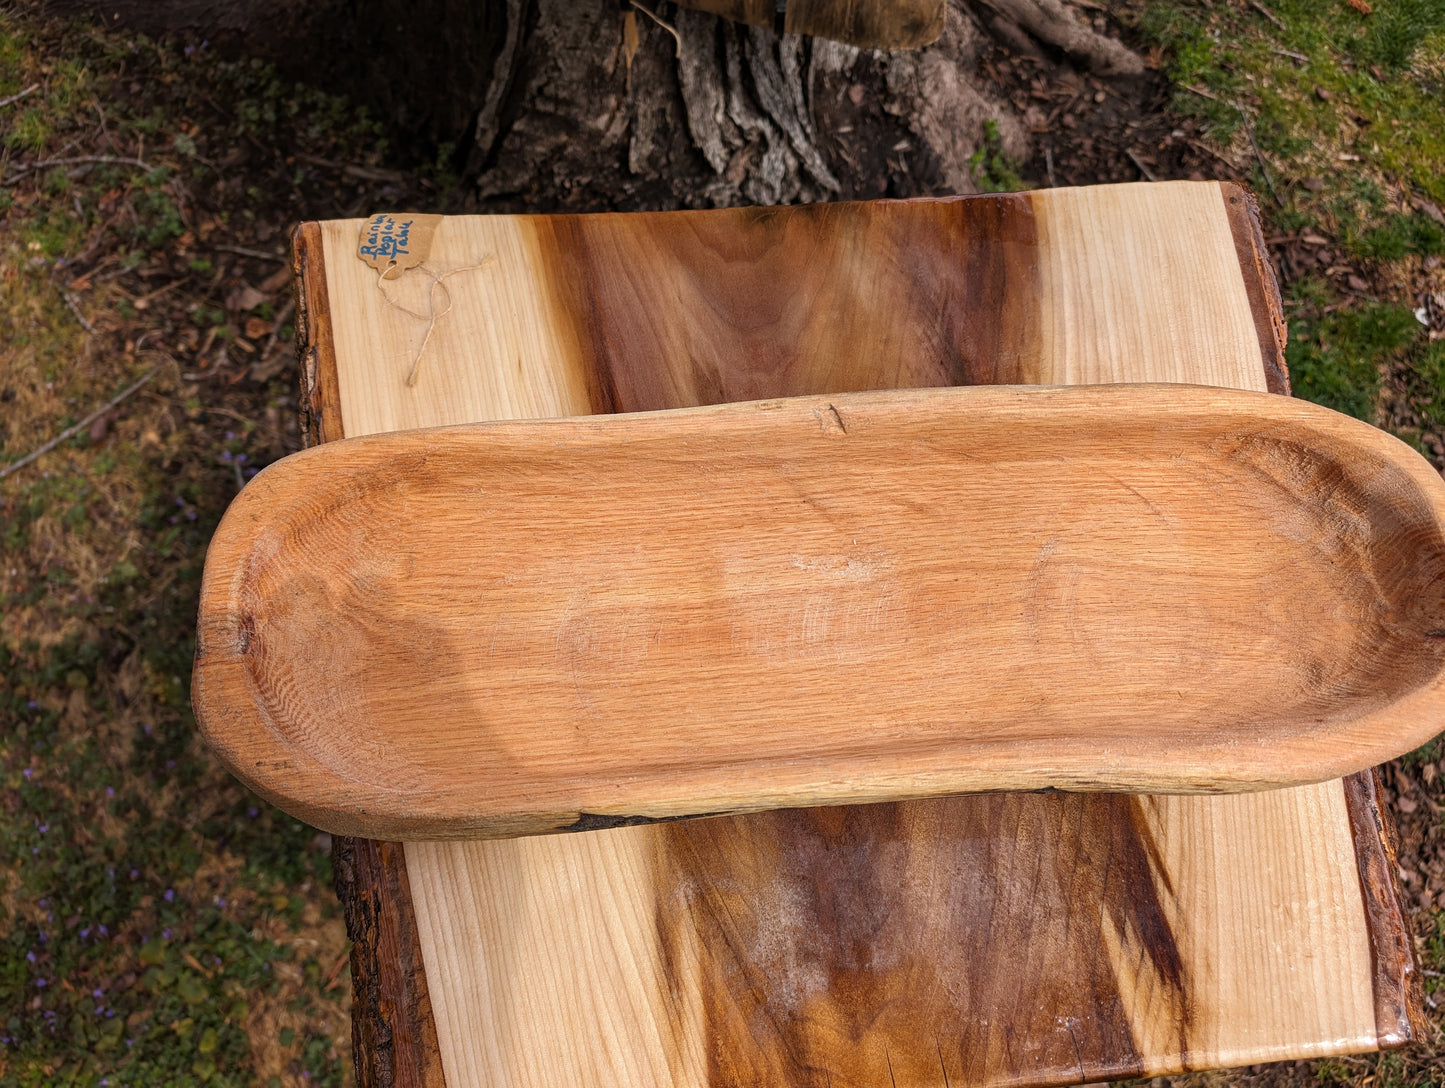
(991,166)
(158,925)
(1338,114)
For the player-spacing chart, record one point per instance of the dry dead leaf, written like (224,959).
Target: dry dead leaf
(631,40)
(243,298)
(276,280)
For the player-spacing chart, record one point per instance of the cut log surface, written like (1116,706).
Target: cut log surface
(510,629)
(871,24)
(993,939)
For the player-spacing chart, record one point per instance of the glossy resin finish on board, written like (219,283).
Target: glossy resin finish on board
(515,628)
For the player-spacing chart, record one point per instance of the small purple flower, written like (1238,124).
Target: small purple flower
(42,828)
(253,812)
(170,896)
(110,791)
(40,984)
(30,956)
(134,873)
(32,704)
(103,931)
(28,771)
(220,900)
(84,933)
(97,993)
(180,501)
(165,934)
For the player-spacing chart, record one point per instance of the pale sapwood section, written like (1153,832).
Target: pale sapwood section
(1244,879)
(548,951)
(1230,848)
(473,325)
(1141,283)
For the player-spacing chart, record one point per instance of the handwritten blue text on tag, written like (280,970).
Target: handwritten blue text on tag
(386,237)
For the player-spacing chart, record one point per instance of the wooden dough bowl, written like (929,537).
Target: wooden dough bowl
(514,628)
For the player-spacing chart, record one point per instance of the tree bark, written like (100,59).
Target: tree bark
(678,108)
(555,104)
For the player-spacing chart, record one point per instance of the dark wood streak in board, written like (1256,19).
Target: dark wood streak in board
(393,1031)
(753,303)
(843,946)
(900,922)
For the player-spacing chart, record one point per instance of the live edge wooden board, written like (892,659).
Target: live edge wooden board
(508,628)
(994,939)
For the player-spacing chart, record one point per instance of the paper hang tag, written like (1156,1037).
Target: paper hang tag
(391,243)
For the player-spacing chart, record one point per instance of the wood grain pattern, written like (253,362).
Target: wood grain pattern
(1103,321)
(823,600)
(756,12)
(871,24)
(1022,914)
